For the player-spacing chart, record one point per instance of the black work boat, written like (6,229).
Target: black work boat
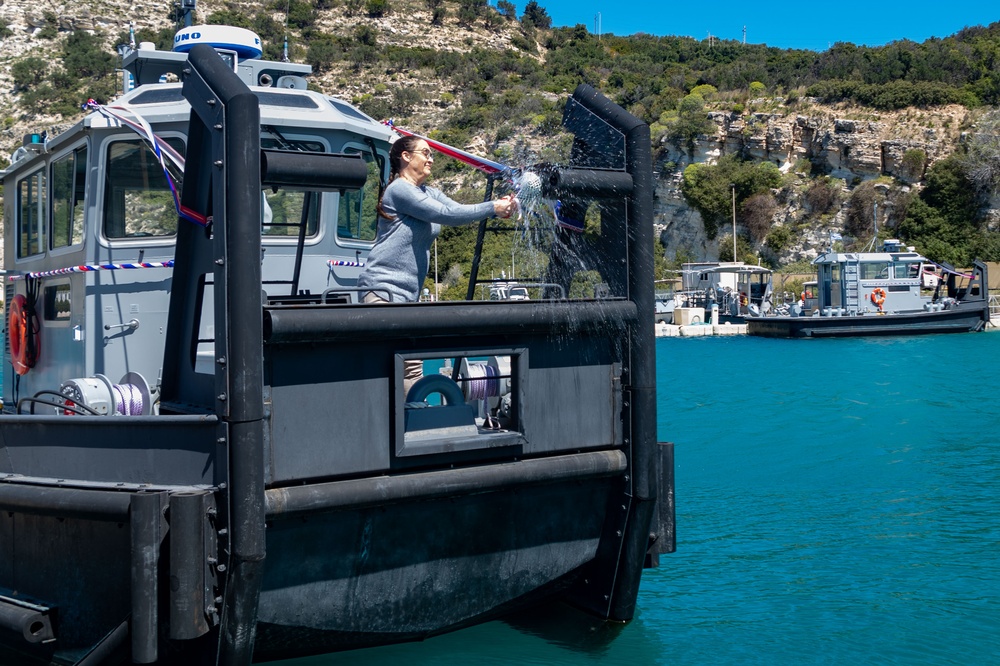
(206,453)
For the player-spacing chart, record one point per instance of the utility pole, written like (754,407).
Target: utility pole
(744,35)
(597,25)
(733,188)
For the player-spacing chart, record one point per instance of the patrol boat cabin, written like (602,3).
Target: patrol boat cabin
(206,450)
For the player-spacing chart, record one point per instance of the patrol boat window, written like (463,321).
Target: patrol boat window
(69,180)
(357,217)
(874,271)
(137,197)
(907,270)
(30,214)
(288,205)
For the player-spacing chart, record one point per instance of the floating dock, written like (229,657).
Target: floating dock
(698,330)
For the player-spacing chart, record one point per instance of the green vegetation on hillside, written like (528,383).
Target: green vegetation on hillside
(669,82)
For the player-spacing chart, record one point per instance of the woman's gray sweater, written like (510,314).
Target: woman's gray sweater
(397,265)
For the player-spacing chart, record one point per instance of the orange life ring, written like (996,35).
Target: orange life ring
(878,297)
(22,323)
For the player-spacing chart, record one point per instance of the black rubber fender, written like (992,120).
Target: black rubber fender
(449,390)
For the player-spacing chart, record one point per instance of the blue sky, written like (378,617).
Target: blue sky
(807,24)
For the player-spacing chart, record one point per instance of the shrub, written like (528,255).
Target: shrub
(84,56)
(709,189)
(778,239)
(301,14)
(375,107)
(705,91)
(507,9)
(323,52)
(861,210)
(377,8)
(51,28)
(405,99)
(821,195)
(29,72)
(913,163)
(757,215)
(536,15)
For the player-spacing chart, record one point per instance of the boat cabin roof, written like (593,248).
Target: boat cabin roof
(288,105)
(893,250)
(868,257)
(750,269)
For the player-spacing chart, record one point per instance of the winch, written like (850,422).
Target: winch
(131,396)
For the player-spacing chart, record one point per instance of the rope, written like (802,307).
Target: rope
(483,381)
(86,268)
(128,399)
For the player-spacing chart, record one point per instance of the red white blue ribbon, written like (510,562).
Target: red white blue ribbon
(87,268)
(486,166)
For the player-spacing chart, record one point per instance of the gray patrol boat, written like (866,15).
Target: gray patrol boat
(895,291)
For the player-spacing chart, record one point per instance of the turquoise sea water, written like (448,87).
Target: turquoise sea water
(838,502)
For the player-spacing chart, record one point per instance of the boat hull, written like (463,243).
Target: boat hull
(957,320)
(350,579)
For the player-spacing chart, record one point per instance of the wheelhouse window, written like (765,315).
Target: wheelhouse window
(907,270)
(69,179)
(357,217)
(30,214)
(874,271)
(287,210)
(137,198)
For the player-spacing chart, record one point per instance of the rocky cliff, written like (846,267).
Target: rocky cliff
(846,143)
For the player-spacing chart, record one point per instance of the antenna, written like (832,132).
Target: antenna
(185,10)
(744,34)
(284,50)
(873,245)
(597,25)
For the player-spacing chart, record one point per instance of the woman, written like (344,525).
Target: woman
(411,214)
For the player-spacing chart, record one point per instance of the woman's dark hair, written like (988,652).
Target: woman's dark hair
(404,144)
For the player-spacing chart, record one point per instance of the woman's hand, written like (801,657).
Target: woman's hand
(505,206)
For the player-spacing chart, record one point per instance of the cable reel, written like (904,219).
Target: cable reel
(131,396)
(488,382)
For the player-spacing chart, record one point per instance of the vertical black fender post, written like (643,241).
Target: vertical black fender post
(147,530)
(188,550)
(642,376)
(227,109)
(640,381)
(477,254)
